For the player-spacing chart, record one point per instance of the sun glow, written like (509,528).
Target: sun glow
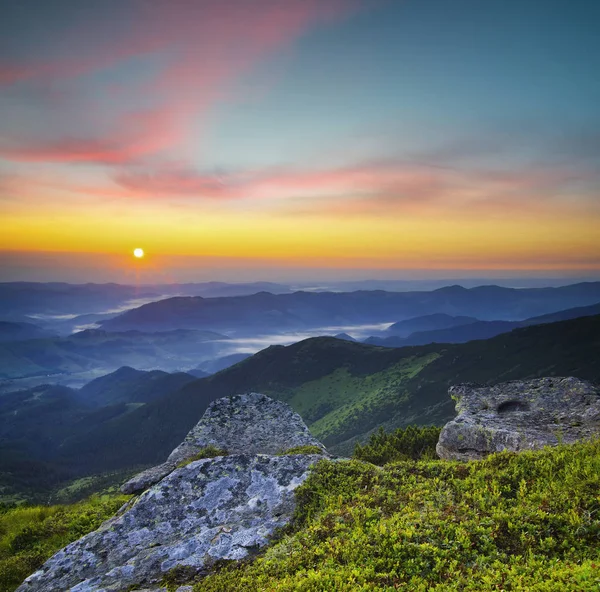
(139,253)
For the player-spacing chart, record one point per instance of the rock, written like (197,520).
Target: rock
(210,509)
(519,415)
(243,424)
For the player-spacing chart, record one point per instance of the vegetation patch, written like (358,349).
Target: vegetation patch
(206,452)
(336,406)
(308,449)
(520,522)
(29,535)
(410,443)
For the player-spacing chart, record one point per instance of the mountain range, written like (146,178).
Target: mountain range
(447,329)
(343,390)
(265,312)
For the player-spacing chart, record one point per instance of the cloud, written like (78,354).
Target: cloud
(373,189)
(196,51)
(137,135)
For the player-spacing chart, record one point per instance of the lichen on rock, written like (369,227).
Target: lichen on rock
(250,423)
(519,415)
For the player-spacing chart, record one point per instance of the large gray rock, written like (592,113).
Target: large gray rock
(210,509)
(519,415)
(243,424)
(223,508)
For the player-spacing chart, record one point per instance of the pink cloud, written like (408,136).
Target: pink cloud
(366,189)
(202,47)
(134,137)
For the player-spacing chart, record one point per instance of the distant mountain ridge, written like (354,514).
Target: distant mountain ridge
(430,322)
(470,331)
(264,312)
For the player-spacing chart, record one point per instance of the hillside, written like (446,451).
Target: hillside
(265,312)
(20,331)
(468,331)
(127,385)
(36,423)
(344,390)
(432,322)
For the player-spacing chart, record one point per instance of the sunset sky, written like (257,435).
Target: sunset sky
(238,138)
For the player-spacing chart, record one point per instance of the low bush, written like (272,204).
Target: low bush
(519,522)
(412,442)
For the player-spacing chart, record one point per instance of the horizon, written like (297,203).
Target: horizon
(329,138)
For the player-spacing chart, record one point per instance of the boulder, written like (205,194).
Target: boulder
(519,415)
(243,424)
(207,510)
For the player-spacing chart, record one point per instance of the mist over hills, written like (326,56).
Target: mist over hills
(98,349)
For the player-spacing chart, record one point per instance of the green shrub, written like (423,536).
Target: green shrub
(519,522)
(31,534)
(206,452)
(308,449)
(412,442)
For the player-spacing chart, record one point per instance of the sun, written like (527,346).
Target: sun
(139,253)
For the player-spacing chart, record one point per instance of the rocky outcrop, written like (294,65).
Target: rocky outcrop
(243,424)
(210,509)
(519,415)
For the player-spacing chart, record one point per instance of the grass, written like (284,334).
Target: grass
(520,522)
(336,405)
(29,535)
(206,452)
(308,449)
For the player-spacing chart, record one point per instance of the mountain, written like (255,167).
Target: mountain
(97,349)
(36,423)
(565,315)
(19,331)
(430,322)
(127,385)
(57,298)
(345,337)
(344,390)
(56,301)
(480,329)
(212,366)
(265,312)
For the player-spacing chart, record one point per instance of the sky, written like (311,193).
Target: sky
(271,139)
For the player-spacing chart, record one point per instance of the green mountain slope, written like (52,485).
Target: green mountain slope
(37,423)
(344,390)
